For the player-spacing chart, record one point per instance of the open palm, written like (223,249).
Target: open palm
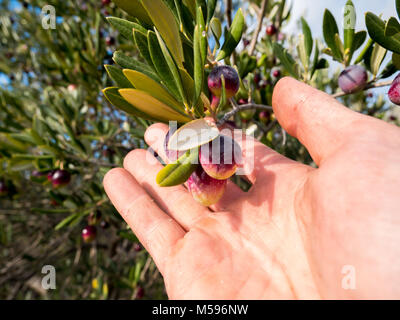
(298,228)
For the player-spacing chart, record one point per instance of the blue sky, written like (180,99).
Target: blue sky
(313,11)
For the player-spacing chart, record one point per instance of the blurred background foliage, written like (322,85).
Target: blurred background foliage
(53,116)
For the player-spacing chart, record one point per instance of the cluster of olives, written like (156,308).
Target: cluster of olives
(219,159)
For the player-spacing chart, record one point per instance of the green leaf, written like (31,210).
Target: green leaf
(349,26)
(388,71)
(189,89)
(376,30)
(398,8)
(330,29)
(116,100)
(135,9)
(287,60)
(233,36)
(142,82)
(216,29)
(392,27)
(211,5)
(118,76)
(377,56)
(396,60)
(143,46)
(166,24)
(200,55)
(177,173)
(315,60)
(364,51)
(301,49)
(359,39)
(172,67)
(162,66)
(68,220)
(308,40)
(130,63)
(154,108)
(125,27)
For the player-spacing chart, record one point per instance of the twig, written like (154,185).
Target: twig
(243,107)
(259,26)
(229,12)
(370,86)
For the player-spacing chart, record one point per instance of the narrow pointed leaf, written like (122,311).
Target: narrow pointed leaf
(165,23)
(377,57)
(349,25)
(233,36)
(135,9)
(376,30)
(330,29)
(130,63)
(118,76)
(125,27)
(161,66)
(143,46)
(172,67)
(142,82)
(118,101)
(211,5)
(308,40)
(177,173)
(200,54)
(392,27)
(151,106)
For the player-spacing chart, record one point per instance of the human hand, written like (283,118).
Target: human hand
(291,235)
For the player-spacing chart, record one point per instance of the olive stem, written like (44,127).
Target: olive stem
(259,26)
(242,107)
(369,86)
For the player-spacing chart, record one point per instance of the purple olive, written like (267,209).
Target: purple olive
(60,178)
(3,188)
(353,79)
(394,91)
(204,189)
(220,157)
(89,234)
(232,81)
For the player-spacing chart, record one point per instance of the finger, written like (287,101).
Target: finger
(320,122)
(176,201)
(154,228)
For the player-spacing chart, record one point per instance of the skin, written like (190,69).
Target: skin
(297,230)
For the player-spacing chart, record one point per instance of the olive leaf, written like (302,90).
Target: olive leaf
(200,54)
(165,23)
(154,108)
(233,36)
(376,30)
(330,29)
(125,27)
(118,101)
(134,8)
(192,135)
(348,26)
(142,82)
(308,39)
(392,27)
(143,46)
(118,76)
(177,173)
(130,63)
(377,57)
